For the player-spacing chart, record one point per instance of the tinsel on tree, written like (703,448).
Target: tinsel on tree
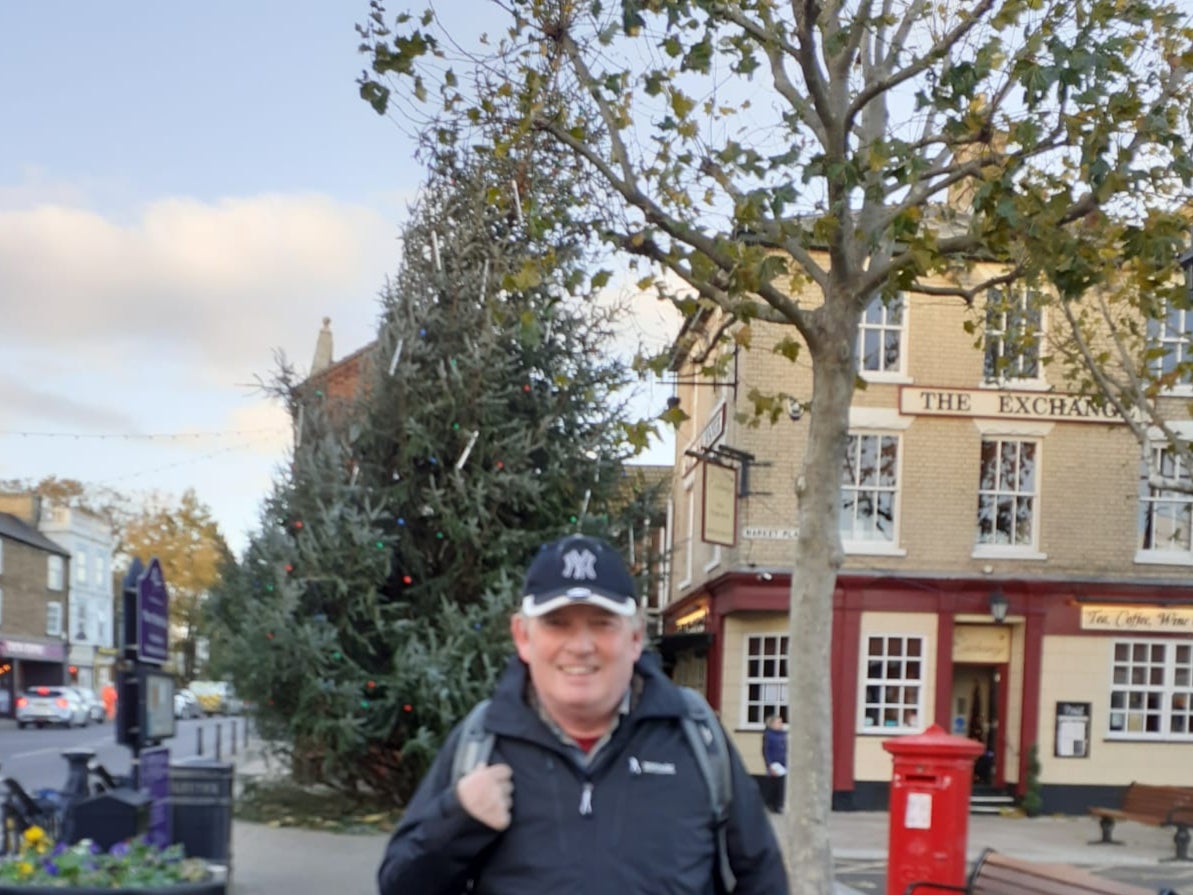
(371,609)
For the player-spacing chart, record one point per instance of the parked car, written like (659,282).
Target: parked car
(217,697)
(186,704)
(95,705)
(51,705)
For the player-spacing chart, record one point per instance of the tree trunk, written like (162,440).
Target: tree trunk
(818,556)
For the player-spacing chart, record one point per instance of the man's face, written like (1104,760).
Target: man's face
(581,659)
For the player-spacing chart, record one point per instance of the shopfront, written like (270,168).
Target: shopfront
(28,663)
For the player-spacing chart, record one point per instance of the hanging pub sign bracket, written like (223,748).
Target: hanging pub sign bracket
(722,455)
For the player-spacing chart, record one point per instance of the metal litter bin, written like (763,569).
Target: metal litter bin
(201,808)
(110,817)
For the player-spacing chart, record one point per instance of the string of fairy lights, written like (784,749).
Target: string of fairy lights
(142,436)
(245,440)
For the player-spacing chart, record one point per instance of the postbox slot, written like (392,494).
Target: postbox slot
(920,778)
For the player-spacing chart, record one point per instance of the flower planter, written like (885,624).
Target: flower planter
(132,867)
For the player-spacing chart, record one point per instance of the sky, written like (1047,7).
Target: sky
(186,190)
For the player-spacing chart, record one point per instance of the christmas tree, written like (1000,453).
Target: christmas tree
(371,610)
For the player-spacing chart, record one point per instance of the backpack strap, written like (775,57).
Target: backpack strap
(707,740)
(475,744)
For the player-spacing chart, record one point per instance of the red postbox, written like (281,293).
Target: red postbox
(929,825)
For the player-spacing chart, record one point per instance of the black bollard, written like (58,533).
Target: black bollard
(75,790)
(219,729)
(199,740)
(232,743)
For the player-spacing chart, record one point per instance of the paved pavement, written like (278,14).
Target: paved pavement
(304,862)
(1057,840)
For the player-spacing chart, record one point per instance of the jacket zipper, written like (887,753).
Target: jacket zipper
(586,800)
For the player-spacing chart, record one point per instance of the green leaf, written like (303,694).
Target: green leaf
(681,104)
(788,347)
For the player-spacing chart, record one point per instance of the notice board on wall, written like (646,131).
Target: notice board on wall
(1072,730)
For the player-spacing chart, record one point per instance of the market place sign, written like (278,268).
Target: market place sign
(1147,619)
(1004,404)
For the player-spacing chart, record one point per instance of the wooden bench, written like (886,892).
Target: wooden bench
(998,874)
(1156,806)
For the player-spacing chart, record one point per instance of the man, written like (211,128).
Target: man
(774,756)
(592,785)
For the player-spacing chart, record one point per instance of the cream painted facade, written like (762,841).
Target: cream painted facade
(1067,661)
(933,578)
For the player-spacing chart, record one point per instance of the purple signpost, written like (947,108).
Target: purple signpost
(155,782)
(153,648)
(153,615)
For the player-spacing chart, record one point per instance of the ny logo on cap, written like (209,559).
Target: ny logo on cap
(579,564)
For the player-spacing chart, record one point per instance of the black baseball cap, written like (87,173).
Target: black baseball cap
(578,569)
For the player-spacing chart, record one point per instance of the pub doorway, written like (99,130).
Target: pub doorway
(977,704)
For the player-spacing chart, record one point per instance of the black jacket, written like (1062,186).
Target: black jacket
(650,830)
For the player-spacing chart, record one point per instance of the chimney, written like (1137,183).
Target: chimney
(26,506)
(322,359)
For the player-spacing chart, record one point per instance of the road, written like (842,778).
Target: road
(34,757)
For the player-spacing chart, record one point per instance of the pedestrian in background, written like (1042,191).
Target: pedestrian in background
(108,695)
(592,784)
(774,754)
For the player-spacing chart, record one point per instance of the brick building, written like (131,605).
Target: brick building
(334,385)
(1008,572)
(34,597)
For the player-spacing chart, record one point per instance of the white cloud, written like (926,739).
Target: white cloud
(217,284)
(268,422)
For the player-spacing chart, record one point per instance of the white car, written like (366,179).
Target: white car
(51,705)
(186,705)
(96,714)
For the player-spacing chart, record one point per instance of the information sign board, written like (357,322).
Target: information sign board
(153,615)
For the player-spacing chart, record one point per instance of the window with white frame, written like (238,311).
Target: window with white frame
(100,570)
(689,567)
(893,683)
(880,337)
(870,488)
(1013,335)
(1170,338)
(54,619)
(1008,495)
(80,567)
(766,679)
(1166,516)
(55,572)
(1151,691)
(75,615)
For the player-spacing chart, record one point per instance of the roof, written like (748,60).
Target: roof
(15,530)
(652,474)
